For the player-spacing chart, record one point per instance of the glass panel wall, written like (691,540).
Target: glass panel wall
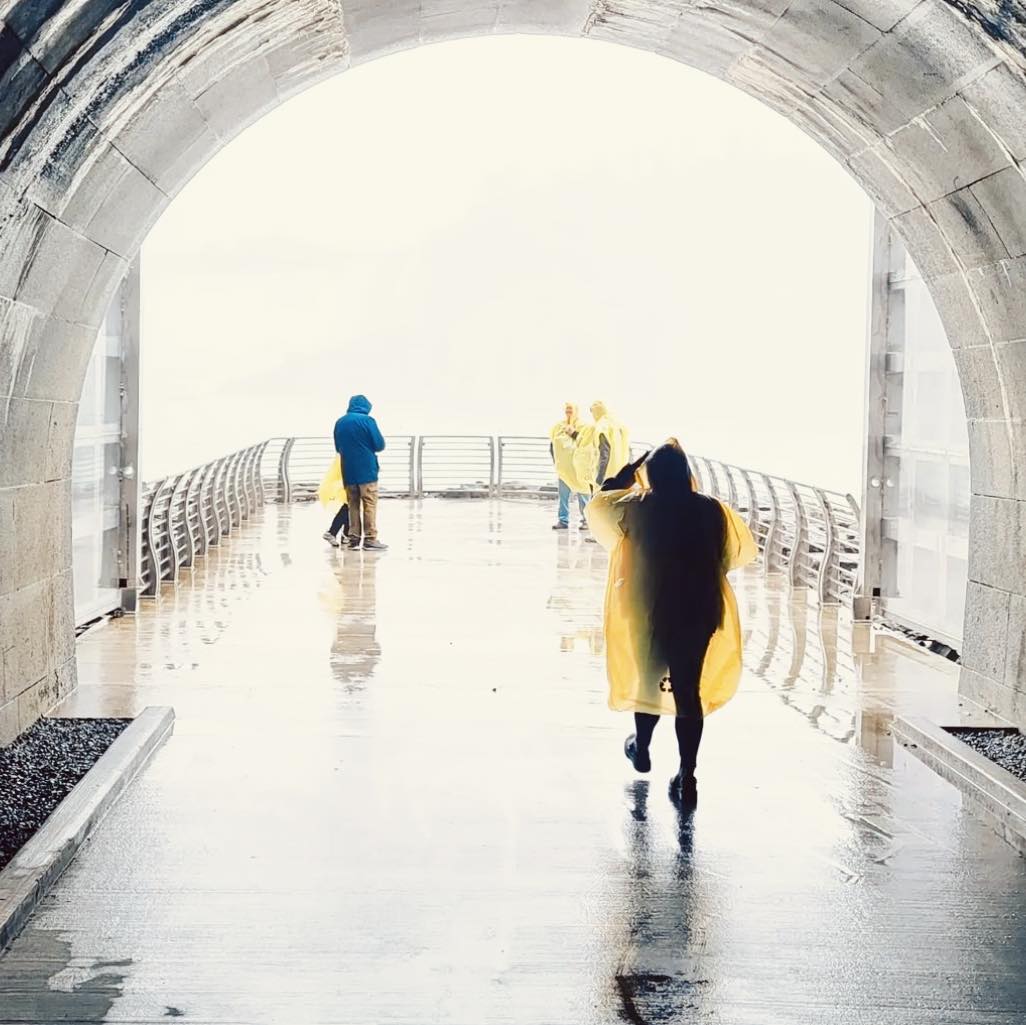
(925,529)
(96,476)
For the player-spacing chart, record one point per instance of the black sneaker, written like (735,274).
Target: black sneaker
(642,762)
(684,792)
(560,526)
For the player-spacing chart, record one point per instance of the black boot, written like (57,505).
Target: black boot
(684,789)
(639,759)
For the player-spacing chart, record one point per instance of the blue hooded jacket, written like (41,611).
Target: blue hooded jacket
(358,441)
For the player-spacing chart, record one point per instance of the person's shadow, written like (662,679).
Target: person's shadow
(658,977)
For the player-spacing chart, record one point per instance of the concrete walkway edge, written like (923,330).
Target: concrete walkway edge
(37,866)
(994,792)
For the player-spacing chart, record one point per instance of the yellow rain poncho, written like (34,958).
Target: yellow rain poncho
(635,683)
(587,452)
(332,491)
(563,437)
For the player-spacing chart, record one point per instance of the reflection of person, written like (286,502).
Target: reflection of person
(562,442)
(331,492)
(662,922)
(352,602)
(578,622)
(673,633)
(602,450)
(358,441)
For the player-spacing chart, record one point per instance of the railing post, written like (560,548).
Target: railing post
(498,476)
(696,472)
(208,508)
(413,467)
(491,466)
(753,501)
(823,590)
(284,488)
(197,503)
(251,479)
(174,556)
(860,612)
(188,556)
(243,487)
(260,493)
(245,506)
(800,547)
(193,509)
(771,564)
(420,466)
(151,555)
(226,492)
(731,487)
(717,490)
(235,509)
(229,491)
(220,500)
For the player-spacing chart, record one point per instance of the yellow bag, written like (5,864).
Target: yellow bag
(332,490)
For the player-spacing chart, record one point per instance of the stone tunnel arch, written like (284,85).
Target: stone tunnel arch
(107,107)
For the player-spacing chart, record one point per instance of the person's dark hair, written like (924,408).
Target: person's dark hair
(681,536)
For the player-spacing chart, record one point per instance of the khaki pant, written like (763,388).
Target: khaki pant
(363,511)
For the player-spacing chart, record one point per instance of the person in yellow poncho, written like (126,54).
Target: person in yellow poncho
(602,449)
(673,634)
(332,490)
(562,444)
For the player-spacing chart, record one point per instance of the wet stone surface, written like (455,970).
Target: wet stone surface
(395,794)
(1006,748)
(40,769)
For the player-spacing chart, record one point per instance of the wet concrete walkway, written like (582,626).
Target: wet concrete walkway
(395,795)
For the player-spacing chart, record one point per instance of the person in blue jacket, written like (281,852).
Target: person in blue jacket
(358,441)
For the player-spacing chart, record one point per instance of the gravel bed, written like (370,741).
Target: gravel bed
(1004,747)
(41,767)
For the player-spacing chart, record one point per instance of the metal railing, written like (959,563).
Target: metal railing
(809,534)
(183,516)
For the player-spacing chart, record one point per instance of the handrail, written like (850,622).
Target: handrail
(808,534)
(183,516)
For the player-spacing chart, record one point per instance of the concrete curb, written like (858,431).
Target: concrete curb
(38,865)
(997,795)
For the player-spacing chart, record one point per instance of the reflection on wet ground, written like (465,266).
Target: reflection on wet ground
(395,795)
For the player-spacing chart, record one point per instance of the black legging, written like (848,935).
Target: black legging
(340,522)
(685,672)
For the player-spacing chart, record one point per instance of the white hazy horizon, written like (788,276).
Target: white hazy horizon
(473,233)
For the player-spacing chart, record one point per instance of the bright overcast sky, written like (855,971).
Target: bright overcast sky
(473,233)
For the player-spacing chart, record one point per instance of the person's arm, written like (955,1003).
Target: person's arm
(377,441)
(603,458)
(626,477)
(604,514)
